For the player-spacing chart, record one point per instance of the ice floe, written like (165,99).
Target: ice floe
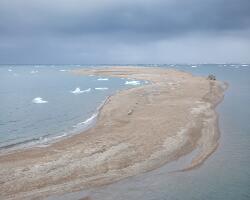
(39,100)
(102,79)
(63,70)
(101,88)
(79,91)
(33,71)
(132,83)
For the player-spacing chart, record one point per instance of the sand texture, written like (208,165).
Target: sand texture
(137,130)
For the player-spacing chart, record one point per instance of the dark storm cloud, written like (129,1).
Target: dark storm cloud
(167,17)
(86,29)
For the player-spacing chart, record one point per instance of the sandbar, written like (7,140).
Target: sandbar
(137,130)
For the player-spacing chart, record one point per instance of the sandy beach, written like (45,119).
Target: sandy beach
(137,130)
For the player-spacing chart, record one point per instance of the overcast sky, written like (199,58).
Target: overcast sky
(124,31)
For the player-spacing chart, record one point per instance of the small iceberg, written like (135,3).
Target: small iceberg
(102,79)
(39,100)
(132,83)
(101,88)
(79,91)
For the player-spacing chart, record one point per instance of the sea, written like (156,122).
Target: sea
(41,103)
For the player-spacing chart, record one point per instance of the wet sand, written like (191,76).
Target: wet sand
(137,130)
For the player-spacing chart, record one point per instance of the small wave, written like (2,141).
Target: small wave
(244,65)
(45,140)
(9,70)
(87,121)
(41,141)
(132,83)
(101,88)
(193,66)
(8,146)
(39,100)
(79,91)
(102,79)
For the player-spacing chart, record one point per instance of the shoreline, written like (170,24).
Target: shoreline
(50,139)
(132,135)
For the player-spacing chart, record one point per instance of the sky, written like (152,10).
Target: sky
(124,31)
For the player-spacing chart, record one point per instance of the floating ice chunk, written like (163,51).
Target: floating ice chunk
(101,88)
(102,79)
(39,100)
(34,72)
(63,70)
(132,83)
(193,66)
(79,91)
(10,70)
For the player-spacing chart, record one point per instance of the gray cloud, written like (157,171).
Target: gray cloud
(108,31)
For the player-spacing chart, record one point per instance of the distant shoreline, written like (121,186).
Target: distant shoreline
(137,130)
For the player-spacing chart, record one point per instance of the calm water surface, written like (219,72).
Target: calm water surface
(42,103)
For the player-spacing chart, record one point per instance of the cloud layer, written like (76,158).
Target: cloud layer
(119,31)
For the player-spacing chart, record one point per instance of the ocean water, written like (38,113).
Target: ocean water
(42,103)
(224,175)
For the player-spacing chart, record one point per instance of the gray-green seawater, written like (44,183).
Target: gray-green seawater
(42,103)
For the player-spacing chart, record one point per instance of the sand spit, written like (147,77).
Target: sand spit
(137,130)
